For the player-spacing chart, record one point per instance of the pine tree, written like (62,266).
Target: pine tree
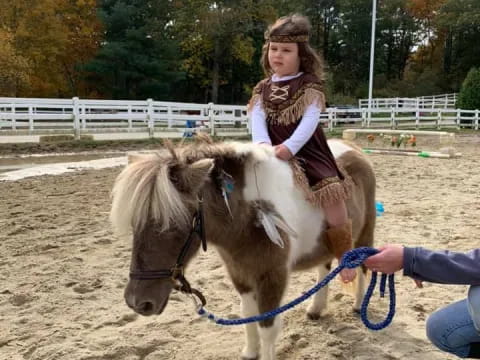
(469,97)
(138,58)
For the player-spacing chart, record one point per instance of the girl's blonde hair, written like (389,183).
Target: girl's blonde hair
(294,26)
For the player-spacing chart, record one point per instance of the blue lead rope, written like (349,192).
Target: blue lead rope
(350,260)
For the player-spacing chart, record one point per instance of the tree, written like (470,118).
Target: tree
(14,69)
(448,49)
(397,34)
(138,57)
(350,50)
(220,40)
(459,23)
(48,38)
(469,96)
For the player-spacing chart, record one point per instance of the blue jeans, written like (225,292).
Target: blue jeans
(452,328)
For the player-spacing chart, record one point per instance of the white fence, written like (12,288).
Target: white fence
(20,116)
(84,116)
(444,101)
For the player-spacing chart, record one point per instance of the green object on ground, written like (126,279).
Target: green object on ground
(366,151)
(424,154)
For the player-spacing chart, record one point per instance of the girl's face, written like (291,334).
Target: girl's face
(283,58)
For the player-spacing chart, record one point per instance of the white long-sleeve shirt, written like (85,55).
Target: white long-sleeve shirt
(302,133)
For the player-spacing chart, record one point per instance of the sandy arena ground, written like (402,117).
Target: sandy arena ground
(62,274)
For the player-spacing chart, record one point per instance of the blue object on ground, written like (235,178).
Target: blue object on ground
(379,207)
(191,124)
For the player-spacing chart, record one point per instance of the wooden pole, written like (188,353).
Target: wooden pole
(425,154)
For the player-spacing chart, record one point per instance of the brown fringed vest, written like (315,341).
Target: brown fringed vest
(284,103)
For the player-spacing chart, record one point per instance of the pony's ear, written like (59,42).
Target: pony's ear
(192,177)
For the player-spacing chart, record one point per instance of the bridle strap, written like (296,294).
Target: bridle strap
(150,275)
(176,272)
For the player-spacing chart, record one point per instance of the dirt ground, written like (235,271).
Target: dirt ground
(62,274)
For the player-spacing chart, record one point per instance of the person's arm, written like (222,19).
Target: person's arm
(259,125)
(444,267)
(304,130)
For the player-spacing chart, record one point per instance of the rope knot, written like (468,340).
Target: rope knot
(354,258)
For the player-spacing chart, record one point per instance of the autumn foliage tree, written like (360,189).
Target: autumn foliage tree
(205,50)
(44,42)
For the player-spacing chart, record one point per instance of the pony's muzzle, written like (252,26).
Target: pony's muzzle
(146,302)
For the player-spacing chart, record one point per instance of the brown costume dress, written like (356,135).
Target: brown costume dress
(284,103)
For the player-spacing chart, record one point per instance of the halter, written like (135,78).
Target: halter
(176,272)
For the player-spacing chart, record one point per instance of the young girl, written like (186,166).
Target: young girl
(285,109)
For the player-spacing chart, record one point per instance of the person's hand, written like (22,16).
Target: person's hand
(348,275)
(387,261)
(282,152)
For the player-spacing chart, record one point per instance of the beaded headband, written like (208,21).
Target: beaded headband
(288,38)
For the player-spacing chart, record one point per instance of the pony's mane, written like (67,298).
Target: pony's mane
(143,191)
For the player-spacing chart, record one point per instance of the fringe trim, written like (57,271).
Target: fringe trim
(256,96)
(294,112)
(327,192)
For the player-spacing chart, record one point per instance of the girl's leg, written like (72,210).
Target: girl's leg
(451,329)
(339,234)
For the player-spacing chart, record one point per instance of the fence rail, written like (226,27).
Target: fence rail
(444,101)
(36,116)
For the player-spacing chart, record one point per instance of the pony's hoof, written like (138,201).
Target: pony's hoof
(313,316)
(249,355)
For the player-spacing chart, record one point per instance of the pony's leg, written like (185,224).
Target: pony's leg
(269,337)
(270,291)
(360,290)
(252,341)
(365,239)
(319,301)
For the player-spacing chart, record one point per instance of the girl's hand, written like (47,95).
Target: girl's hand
(282,152)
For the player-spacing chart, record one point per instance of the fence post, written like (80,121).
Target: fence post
(129,117)
(150,119)
(458,119)
(393,124)
(439,119)
(83,118)
(476,119)
(76,119)
(330,112)
(417,119)
(14,119)
(169,117)
(211,118)
(30,117)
